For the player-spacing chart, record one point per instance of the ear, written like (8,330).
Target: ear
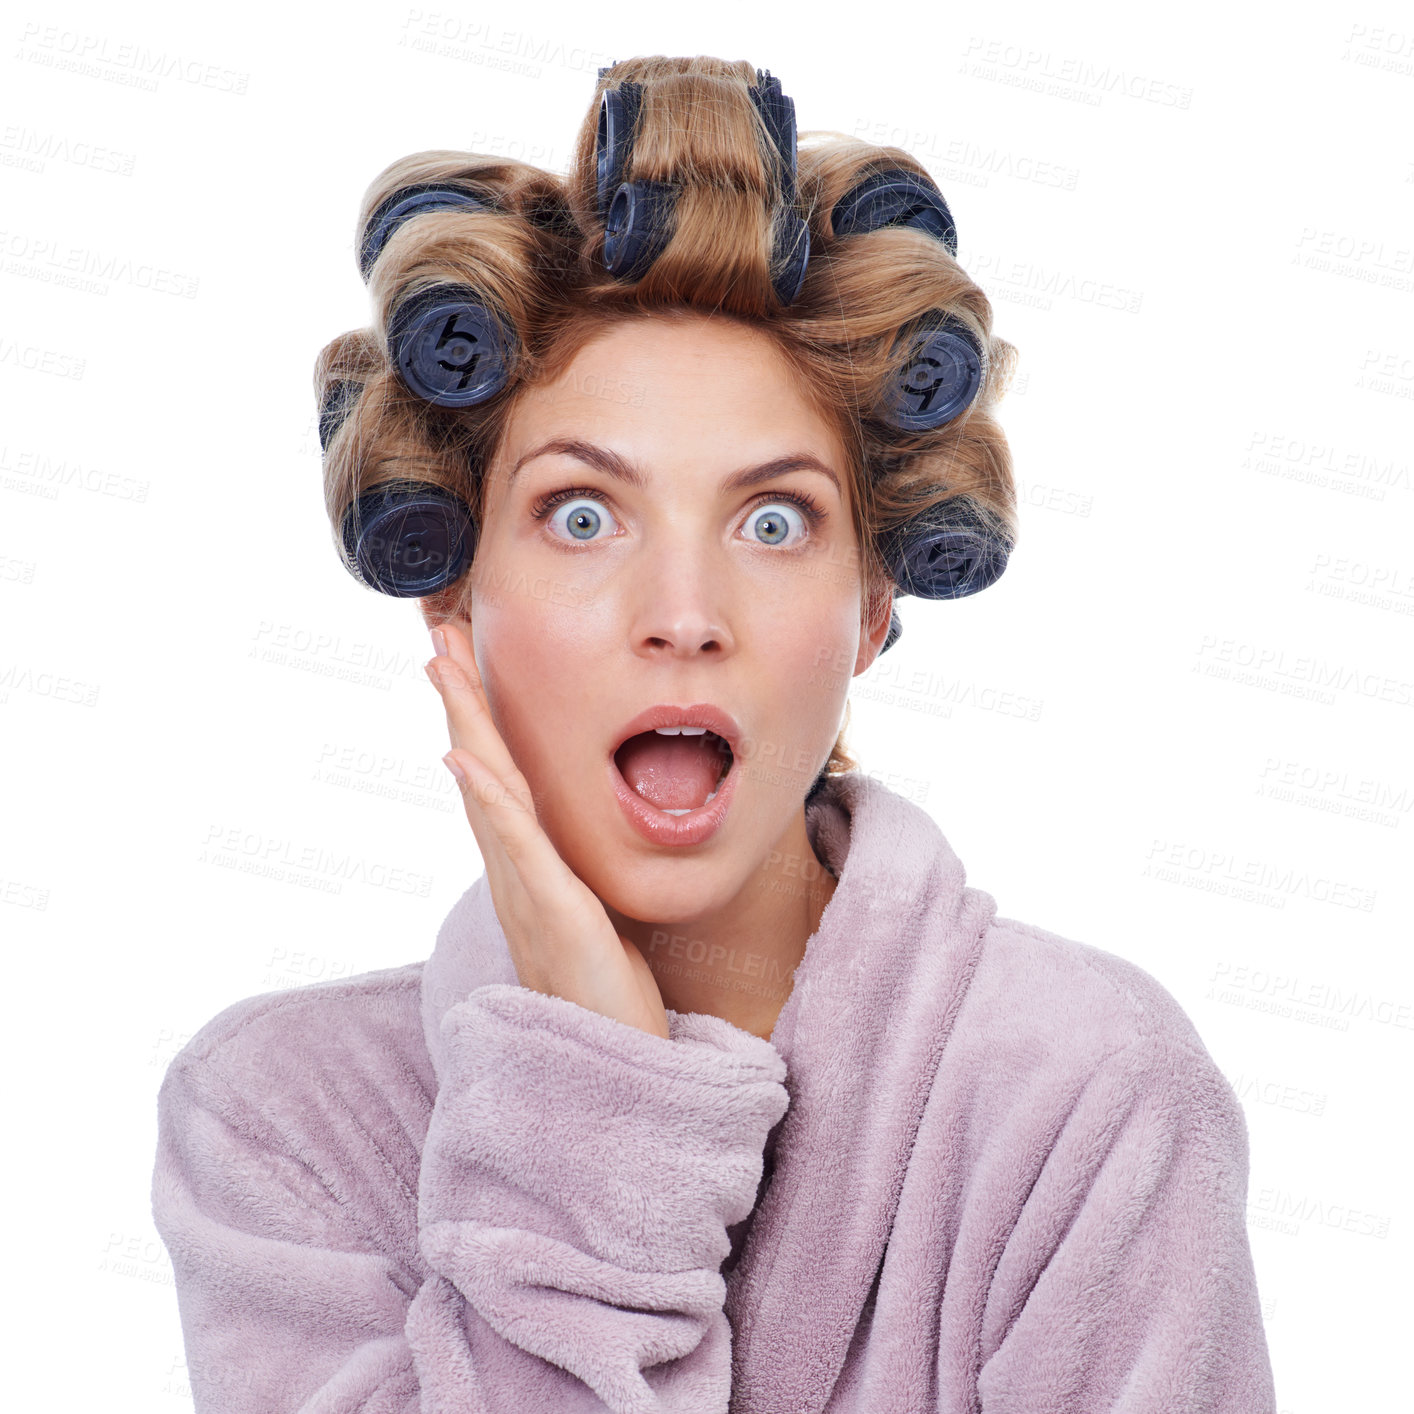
(443,605)
(881,610)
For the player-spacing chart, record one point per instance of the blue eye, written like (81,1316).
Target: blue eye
(584,515)
(770,515)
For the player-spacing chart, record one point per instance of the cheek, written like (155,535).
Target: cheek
(809,672)
(541,664)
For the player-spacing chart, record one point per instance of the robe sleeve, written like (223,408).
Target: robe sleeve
(1128,1282)
(287,1300)
(577,1180)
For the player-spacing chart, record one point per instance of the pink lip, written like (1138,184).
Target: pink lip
(698,714)
(656,826)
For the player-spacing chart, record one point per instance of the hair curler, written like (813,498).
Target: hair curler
(639,216)
(408,538)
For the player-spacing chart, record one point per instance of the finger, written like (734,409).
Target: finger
(515,833)
(469,720)
(460,647)
(462,651)
(458,650)
(469,776)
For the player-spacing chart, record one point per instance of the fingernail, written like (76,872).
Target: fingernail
(451,764)
(439,643)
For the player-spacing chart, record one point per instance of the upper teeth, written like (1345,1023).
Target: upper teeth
(683,731)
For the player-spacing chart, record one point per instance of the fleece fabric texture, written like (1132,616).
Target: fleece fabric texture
(1005,1177)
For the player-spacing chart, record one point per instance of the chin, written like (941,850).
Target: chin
(648,882)
(670,888)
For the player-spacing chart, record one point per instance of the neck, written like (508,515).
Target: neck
(740,963)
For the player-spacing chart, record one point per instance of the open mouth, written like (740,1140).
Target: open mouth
(675,772)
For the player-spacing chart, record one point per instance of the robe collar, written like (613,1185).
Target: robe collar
(472,950)
(862,1033)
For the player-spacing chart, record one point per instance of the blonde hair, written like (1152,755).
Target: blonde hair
(537,257)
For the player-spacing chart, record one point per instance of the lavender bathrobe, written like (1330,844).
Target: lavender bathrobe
(978,1167)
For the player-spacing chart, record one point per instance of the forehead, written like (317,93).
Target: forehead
(710,386)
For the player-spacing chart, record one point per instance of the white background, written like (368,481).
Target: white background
(1177,729)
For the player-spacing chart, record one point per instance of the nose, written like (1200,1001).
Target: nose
(682,607)
(680,629)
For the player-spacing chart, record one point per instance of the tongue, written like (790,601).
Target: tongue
(671,772)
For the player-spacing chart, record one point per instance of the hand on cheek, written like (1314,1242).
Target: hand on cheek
(561,940)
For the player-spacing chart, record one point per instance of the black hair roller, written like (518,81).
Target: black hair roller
(790,255)
(639,216)
(450,346)
(408,538)
(895,197)
(895,630)
(613,140)
(946,551)
(339,400)
(939,371)
(638,227)
(406,202)
(941,363)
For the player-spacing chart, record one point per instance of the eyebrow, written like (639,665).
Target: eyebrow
(613,464)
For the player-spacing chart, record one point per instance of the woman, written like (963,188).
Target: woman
(720,1090)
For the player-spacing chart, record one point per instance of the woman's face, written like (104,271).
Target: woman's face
(688,588)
